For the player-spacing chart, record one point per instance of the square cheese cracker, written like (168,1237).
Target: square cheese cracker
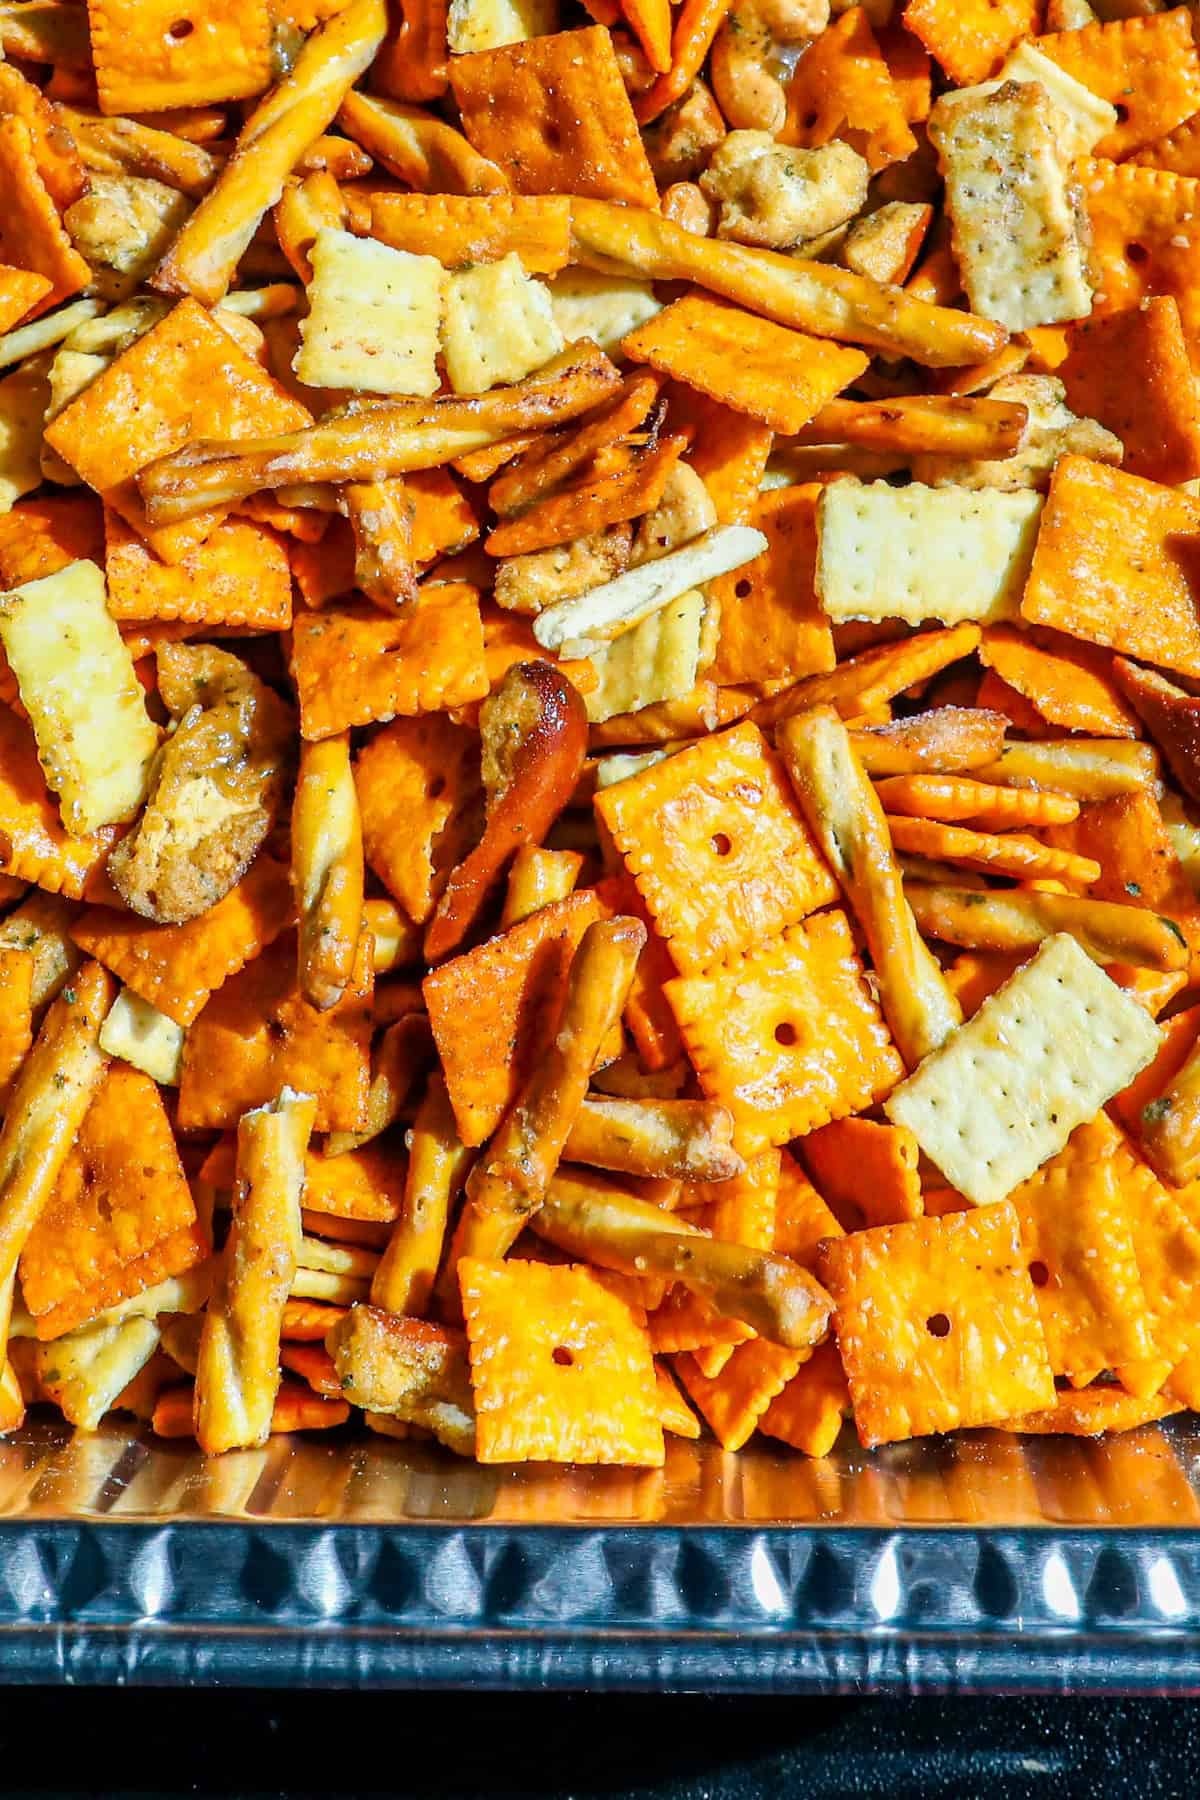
(1042,1055)
(915,553)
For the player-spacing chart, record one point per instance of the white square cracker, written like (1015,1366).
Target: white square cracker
(655,661)
(498,326)
(1042,1055)
(1012,203)
(373,317)
(916,553)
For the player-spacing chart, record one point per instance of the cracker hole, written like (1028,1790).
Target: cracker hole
(437,787)
(1122,112)
(785,1034)
(721,844)
(182,28)
(1136,253)
(742,588)
(562,1356)
(1039,1274)
(937,1325)
(552,137)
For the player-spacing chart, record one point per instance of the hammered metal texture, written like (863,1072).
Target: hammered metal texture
(976,1563)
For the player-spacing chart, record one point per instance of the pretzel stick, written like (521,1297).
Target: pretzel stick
(1015,919)
(237,1371)
(382,525)
(809,296)
(292,116)
(1169,1126)
(944,741)
(370,443)
(327,869)
(508,1183)
(428,155)
(602,1223)
(847,821)
(683,1140)
(537,878)
(925,424)
(437,1168)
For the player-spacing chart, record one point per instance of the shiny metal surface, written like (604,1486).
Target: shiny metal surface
(981,1562)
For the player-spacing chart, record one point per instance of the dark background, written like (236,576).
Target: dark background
(461,1746)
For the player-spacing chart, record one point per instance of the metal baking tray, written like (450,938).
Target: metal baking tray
(981,1562)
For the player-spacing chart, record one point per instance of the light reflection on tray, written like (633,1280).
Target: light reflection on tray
(1146,1479)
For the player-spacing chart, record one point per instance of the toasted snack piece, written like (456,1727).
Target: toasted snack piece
(1086,768)
(943,741)
(122,225)
(529,583)
(237,1374)
(604,308)
(1169,1125)
(327,869)
(398,1061)
(885,244)
(556,456)
(590,1216)
(534,732)
(888,552)
(1171,716)
(41,925)
(776,196)
(846,818)
(373,317)
(499,326)
(76,677)
(473,228)
(1015,228)
(140,1035)
(409,1370)
(873,678)
(438,1165)
(949,425)
(509,1181)
(216,789)
(989,1108)
(685,1140)
(1052,430)
(84,1371)
(807,296)
(1017,919)
(278,132)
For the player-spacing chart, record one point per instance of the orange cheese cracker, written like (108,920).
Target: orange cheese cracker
(1165,1226)
(16,1012)
(808,1412)
(152,53)
(183,379)
(367,1183)
(772,625)
(34,846)
(996,853)
(1079,1250)
(1130,370)
(175,968)
(308,1321)
(1142,221)
(32,235)
(553,113)
(1069,683)
(491,1009)
(561,1367)
(460,229)
(1146,67)
(1138,863)
(677,1416)
(1178,150)
(684,1321)
(910,68)
(779,376)
(717,847)
(789,1035)
(20,289)
(1179,1035)
(1093,1412)
(356,664)
(121,1218)
(1111,564)
(843,88)
(802,1218)
(650,1020)
(733,1401)
(742,1209)
(992,808)
(238,576)
(970,38)
(39,537)
(607,496)
(728,451)
(937,1324)
(867,1171)
(257,1035)
(875,676)
(420,800)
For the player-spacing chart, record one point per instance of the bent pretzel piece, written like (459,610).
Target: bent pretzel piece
(292,116)
(945,741)
(1020,919)
(845,816)
(534,742)
(437,1167)
(509,1182)
(237,1376)
(597,1219)
(808,296)
(56,1086)
(679,1140)
(379,440)
(327,869)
